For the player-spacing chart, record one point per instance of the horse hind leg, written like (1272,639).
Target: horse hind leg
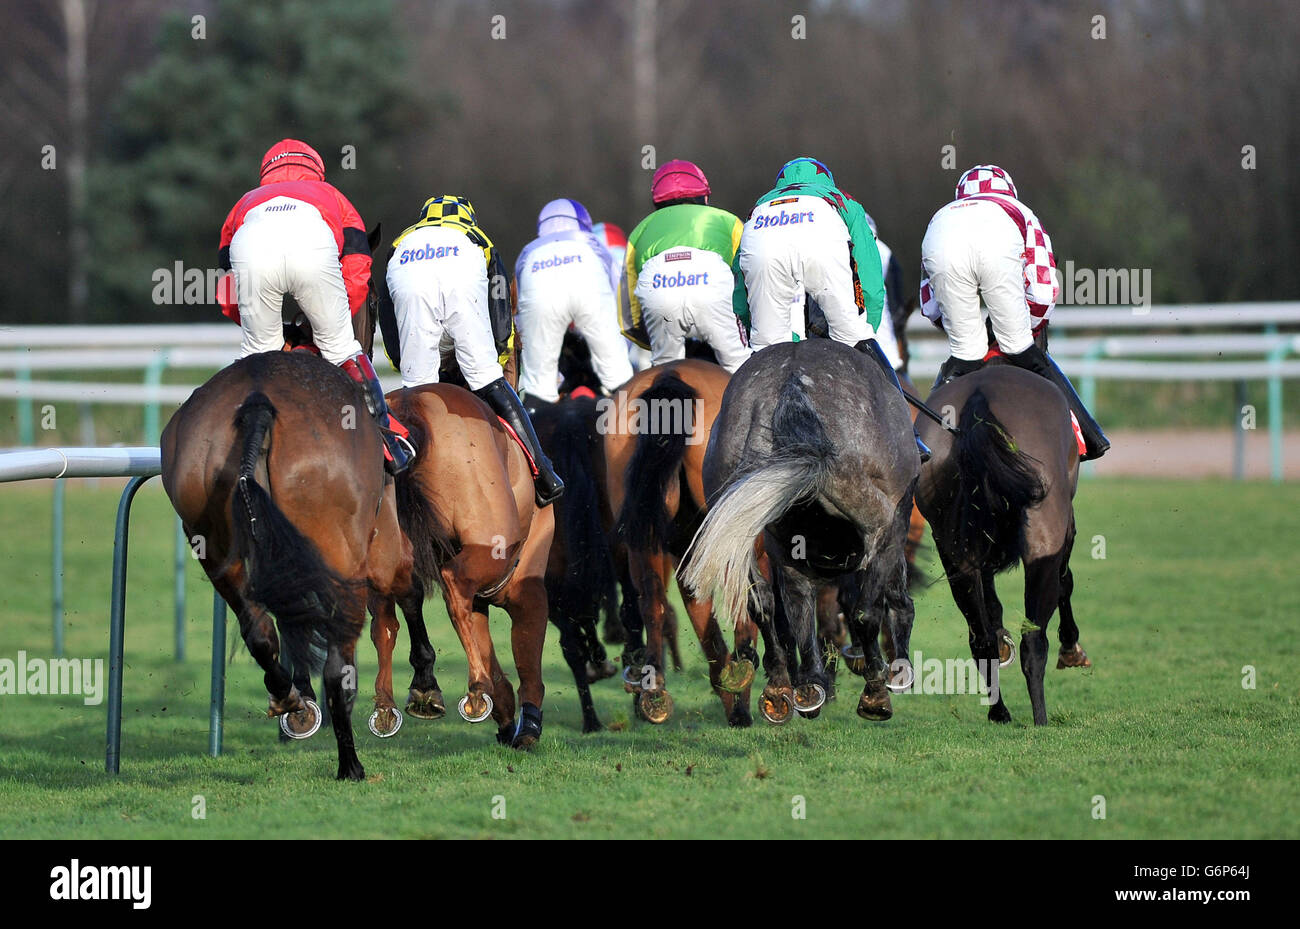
(424,697)
(864,626)
(386,719)
(527,605)
(1072,654)
(477,704)
(1042,593)
(968,590)
(575,656)
(259,634)
(645,679)
(341,692)
(811,682)
(735,706)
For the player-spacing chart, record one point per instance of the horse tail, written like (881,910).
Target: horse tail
(722,556)
(590,561)
(656,461)
(996,484)
(431,542)
(285,571)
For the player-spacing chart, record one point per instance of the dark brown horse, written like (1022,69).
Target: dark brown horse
(656,433)
(467,506)
(581,579)
(998,493)
(276,471)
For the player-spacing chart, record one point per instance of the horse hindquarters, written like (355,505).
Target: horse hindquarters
(286,574)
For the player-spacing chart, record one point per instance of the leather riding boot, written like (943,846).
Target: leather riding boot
(954,368)
(398,451)
(505,403)
(1036,360)
(871,348)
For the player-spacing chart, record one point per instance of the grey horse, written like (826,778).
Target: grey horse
(809,473)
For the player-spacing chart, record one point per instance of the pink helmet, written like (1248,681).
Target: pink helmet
(985,179)
(677,179)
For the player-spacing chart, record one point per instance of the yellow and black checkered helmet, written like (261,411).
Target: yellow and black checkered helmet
(448,210)
(448,207)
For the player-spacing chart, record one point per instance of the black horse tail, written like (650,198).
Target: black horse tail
(590,573)
(285,571)
(996,484)
(656,461)
(431,543)
(722,556)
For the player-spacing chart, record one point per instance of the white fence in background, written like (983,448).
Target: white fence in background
(1236,342)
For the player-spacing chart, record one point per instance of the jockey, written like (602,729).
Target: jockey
(564,276)
(806,238)
(438,280)
(987,243)
(892,272)
(296,234)
(679,280)
(615,241)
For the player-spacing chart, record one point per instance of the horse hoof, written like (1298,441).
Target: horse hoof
(463,707)
(1006,650)
(902,680)
(304,723)
(598,672)
(776,708)
(385,722)
(875,706)
(655,706)
(740,717)
(854,659)
(1074,657)
(529,730)
(736,676)
(809,698)
(425,704)
(631,684)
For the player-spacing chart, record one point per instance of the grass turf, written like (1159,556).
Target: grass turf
(1196,583)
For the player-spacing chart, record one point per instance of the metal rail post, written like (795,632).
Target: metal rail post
(56,566)
(117,620)
(217,703)
(182,549)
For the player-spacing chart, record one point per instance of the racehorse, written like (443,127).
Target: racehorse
(581,583)
(810,473)
(276,469)
(656,429)
(467,506)
(997,493)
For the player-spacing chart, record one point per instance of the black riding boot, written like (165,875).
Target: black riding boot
(871,348)
(505,403)
(394,434)
(1036,360)
(954,368)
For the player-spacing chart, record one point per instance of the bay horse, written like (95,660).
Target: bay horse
(467,508)
(998,493)
(656,429)
(276,471)
(810,474)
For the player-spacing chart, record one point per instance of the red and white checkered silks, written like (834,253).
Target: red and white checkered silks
(985,179)
(1041,286)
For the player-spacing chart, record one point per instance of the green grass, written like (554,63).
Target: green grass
(1197,582)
